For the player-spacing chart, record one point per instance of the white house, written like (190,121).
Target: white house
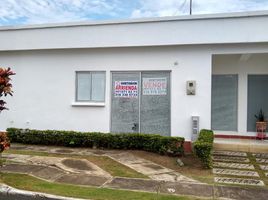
(133,75)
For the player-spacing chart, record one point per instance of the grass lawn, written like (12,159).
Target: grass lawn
(192,166)
(26,182)
(104,162)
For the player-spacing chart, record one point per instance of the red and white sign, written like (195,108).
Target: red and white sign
(126,89)
(154,86)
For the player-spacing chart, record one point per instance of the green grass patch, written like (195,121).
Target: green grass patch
(26,182)
(104,162)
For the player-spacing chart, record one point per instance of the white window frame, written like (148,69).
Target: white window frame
(88,102)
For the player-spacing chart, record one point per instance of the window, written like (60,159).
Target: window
(90,86)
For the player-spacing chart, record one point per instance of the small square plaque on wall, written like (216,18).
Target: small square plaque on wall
(191,87)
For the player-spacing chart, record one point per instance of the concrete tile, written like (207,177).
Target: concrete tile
(262,160)
(234,172)
(200,190)
(261,155)
(126,158)
(238,193)
(133,184)
(49,161)
(48,173)
(17,157)
(21,168)
(149,169)
(264,167)
(233,165)
(230,159)
(230,153)
(172,177)
(239,181)
(82,179)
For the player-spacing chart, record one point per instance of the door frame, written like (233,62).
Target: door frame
(140,79)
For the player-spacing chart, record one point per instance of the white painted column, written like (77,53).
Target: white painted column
(242,100)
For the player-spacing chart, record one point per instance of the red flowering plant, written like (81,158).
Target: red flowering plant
(4,142)
(5,85)
(5,89)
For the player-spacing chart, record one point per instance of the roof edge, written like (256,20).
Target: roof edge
(139,20)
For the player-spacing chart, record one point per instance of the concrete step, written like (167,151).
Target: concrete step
(246,145)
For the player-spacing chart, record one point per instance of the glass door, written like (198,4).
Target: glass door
(125,102)
(140,102)
(155,103)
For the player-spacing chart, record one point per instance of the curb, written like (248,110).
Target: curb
(7,192)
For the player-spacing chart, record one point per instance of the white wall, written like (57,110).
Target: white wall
(232,64)
(44,86)
(183,30)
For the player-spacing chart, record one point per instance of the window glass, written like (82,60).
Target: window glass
(90,86)
(98,86)
(83,86)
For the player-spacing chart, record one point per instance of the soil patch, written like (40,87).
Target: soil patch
(77,164)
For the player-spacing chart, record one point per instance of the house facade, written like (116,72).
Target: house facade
(148,75)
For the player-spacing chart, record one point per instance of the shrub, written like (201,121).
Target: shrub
(4,142)
(5,85)
(148,142)
(203,147)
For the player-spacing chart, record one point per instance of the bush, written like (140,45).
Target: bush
(4,142)
(203,147)
(148,142)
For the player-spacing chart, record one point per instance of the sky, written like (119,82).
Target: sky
(21,12)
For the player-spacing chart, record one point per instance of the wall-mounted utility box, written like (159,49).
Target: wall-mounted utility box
(191,87)
(195,127)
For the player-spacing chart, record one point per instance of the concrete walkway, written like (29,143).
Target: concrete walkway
(61,171)
(146,167)
(152,170)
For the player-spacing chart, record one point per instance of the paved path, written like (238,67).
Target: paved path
(152,170)
(231,167)
(55,170)
(146,167)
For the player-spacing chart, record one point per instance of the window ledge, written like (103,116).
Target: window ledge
(88,104)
